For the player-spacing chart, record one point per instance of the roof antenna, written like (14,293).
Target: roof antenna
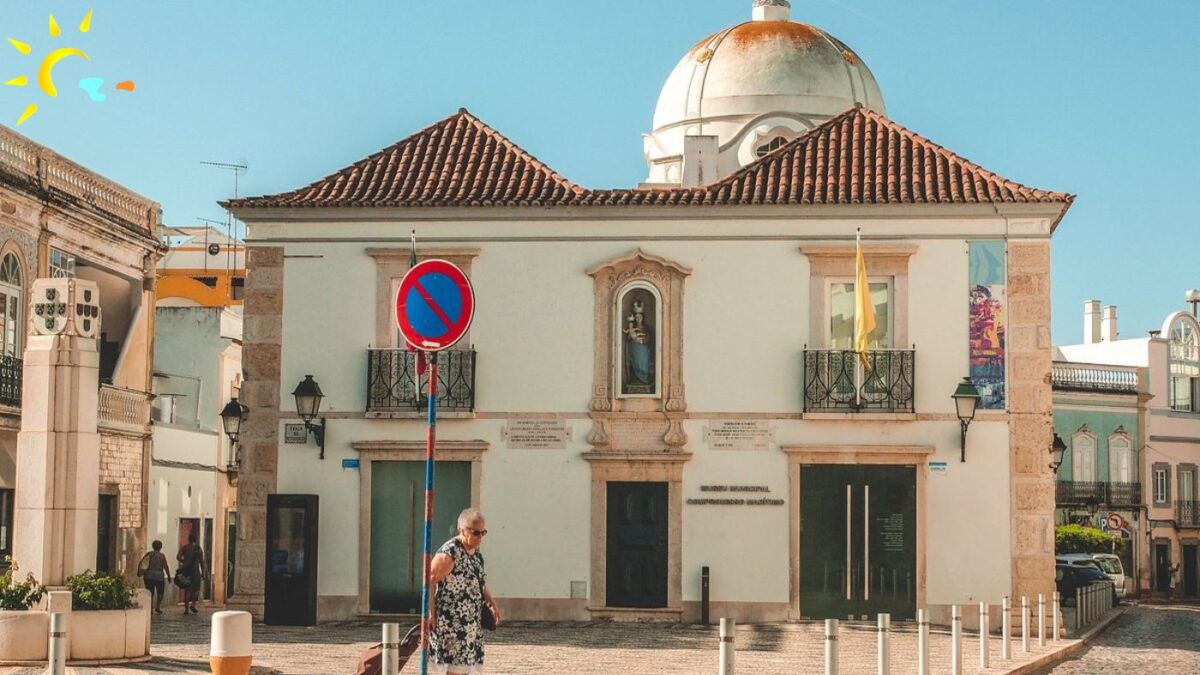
(230,225)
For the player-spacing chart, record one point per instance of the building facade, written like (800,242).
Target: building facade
(658,380)
(59,219)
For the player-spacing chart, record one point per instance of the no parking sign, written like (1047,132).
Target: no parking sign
(434,305)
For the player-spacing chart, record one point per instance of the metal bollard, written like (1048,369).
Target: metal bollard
(58,644)
(983,636)
(831,646)
(885,625)
(390,656)
(728,626)
(1024,623)
(704,595)
(1041,620)
(922,642)
(1055,616)
(1006,629)
(956,640)
(1078,609)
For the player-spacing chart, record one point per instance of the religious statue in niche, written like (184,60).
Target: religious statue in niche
(639,342)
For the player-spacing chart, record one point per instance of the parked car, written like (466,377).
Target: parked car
(1107,563)
(1068,577)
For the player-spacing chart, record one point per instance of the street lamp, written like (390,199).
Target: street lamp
(231,420)
(1057,449)
(308,404)
(966,400)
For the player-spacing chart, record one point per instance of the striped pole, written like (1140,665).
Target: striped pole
(430,441)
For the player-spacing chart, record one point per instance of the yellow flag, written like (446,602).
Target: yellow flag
(864,309)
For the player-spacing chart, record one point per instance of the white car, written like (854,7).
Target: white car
(1107,562)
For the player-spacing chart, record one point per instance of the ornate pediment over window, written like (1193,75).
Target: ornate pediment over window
(638,400)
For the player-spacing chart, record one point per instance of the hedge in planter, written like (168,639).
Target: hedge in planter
(91,591)
(19,595)
(1081,539)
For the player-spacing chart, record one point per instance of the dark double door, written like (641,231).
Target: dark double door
(636,545)
(858,541)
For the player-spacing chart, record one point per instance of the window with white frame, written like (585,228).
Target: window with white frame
(1083,458)
(1160,486)
(1187,485)
(10,306)
(62,264)
(842,313)
(1184,352)
(1120,459)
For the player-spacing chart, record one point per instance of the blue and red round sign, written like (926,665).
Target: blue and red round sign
(434,305)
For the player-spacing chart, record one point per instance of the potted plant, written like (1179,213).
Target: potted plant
(106,622)
(22,632)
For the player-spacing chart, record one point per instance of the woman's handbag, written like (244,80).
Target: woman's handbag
(143,565)
(182,580)
(486,618)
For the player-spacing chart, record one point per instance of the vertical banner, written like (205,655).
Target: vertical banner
(987,279)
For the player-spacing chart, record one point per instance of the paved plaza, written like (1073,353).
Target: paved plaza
(1159,639)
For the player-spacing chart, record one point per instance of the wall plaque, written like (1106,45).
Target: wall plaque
(737,498)
(295,433)
(738,435)
(536,434)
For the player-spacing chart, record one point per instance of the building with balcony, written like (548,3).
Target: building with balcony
(1167,466)
(660,380)
(59,219)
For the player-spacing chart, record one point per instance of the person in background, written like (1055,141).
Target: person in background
(154,571)
(191,565)
(459,599)
(1174,580)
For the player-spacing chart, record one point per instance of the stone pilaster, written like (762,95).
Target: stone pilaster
(261,351)
(1030,420)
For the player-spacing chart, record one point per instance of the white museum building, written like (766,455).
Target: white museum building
(659,380)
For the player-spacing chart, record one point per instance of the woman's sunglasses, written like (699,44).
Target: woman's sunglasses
(478,533)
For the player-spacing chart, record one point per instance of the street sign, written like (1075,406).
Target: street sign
(434,305)
(1115,521)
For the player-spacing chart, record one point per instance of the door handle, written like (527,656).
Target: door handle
(866,542)
(849,562)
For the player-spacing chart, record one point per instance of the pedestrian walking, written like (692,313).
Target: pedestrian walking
(1173,580)
(191,569)
(154,571)
(460,604)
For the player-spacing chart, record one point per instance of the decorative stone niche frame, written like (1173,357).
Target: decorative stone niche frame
(638,423)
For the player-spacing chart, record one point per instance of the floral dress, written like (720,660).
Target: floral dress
(457,639)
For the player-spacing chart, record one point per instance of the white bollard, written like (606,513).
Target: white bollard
(1041,620)
(831,646)
(390,656)
(1055,616)
(728,627)
(983,636)
(58,644)
(956,640)
(922,642)
(1006,629)
(231,646)
(885,657)
(1024,623)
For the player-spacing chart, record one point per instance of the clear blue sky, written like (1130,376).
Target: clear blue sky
(1094,97)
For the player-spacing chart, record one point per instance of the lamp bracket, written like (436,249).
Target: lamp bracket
(317,429)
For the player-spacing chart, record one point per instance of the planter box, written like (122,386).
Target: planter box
(104,636)
(24,636)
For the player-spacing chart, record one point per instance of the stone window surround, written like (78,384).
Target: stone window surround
(391,264)
(1166,469)
(636,467)
(799,455)
(828,263)
(1085,432)
(403,451)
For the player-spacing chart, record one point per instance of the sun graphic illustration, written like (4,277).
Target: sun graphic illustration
(45,71)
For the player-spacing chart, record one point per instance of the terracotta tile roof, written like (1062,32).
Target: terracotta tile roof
(857,157)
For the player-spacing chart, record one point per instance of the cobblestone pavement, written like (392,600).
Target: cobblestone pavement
(1158,639)
(180,645)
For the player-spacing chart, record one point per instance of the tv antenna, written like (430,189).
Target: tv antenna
(230,225)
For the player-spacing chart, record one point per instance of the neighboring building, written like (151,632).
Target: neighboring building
(658,380)
(1099,412)
(204,267)
(1171,358)
(58,219)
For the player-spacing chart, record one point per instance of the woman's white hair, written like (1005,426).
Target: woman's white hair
(468,517)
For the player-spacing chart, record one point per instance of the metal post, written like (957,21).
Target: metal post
(728,626)
(831,646)
(704,595)
(1006,629)
(1024,623)
(58,644)
(390,656)
(884,661)
(1078,609)
(956,640)
(922,642)
(983,636)
(1055,615)
(430,443)
(1041,620)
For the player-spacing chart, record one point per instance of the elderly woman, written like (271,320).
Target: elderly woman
(460,594)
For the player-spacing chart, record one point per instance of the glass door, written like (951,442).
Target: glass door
(291,588)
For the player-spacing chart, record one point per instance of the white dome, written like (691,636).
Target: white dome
(766,79)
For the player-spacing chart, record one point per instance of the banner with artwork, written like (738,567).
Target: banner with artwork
(987,280)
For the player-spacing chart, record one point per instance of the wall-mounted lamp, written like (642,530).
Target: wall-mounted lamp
(308,406)
(1057,449)
(966,400)
(231,420)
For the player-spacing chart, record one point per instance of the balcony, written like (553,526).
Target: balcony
(123,410)
(1077,493)
(393,384)
(836,381)
(1094,378)
(10,381)
(1187,513)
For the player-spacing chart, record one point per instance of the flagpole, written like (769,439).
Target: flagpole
(430,442)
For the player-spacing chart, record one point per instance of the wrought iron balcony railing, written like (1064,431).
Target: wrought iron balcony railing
(1098,378)
(835,380)
(10,381)
(1187,513)
(393,384)
(1077,493)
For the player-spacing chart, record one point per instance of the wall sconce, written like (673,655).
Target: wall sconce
(1057,449)
(231,420)
(308,406)
(966,400)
